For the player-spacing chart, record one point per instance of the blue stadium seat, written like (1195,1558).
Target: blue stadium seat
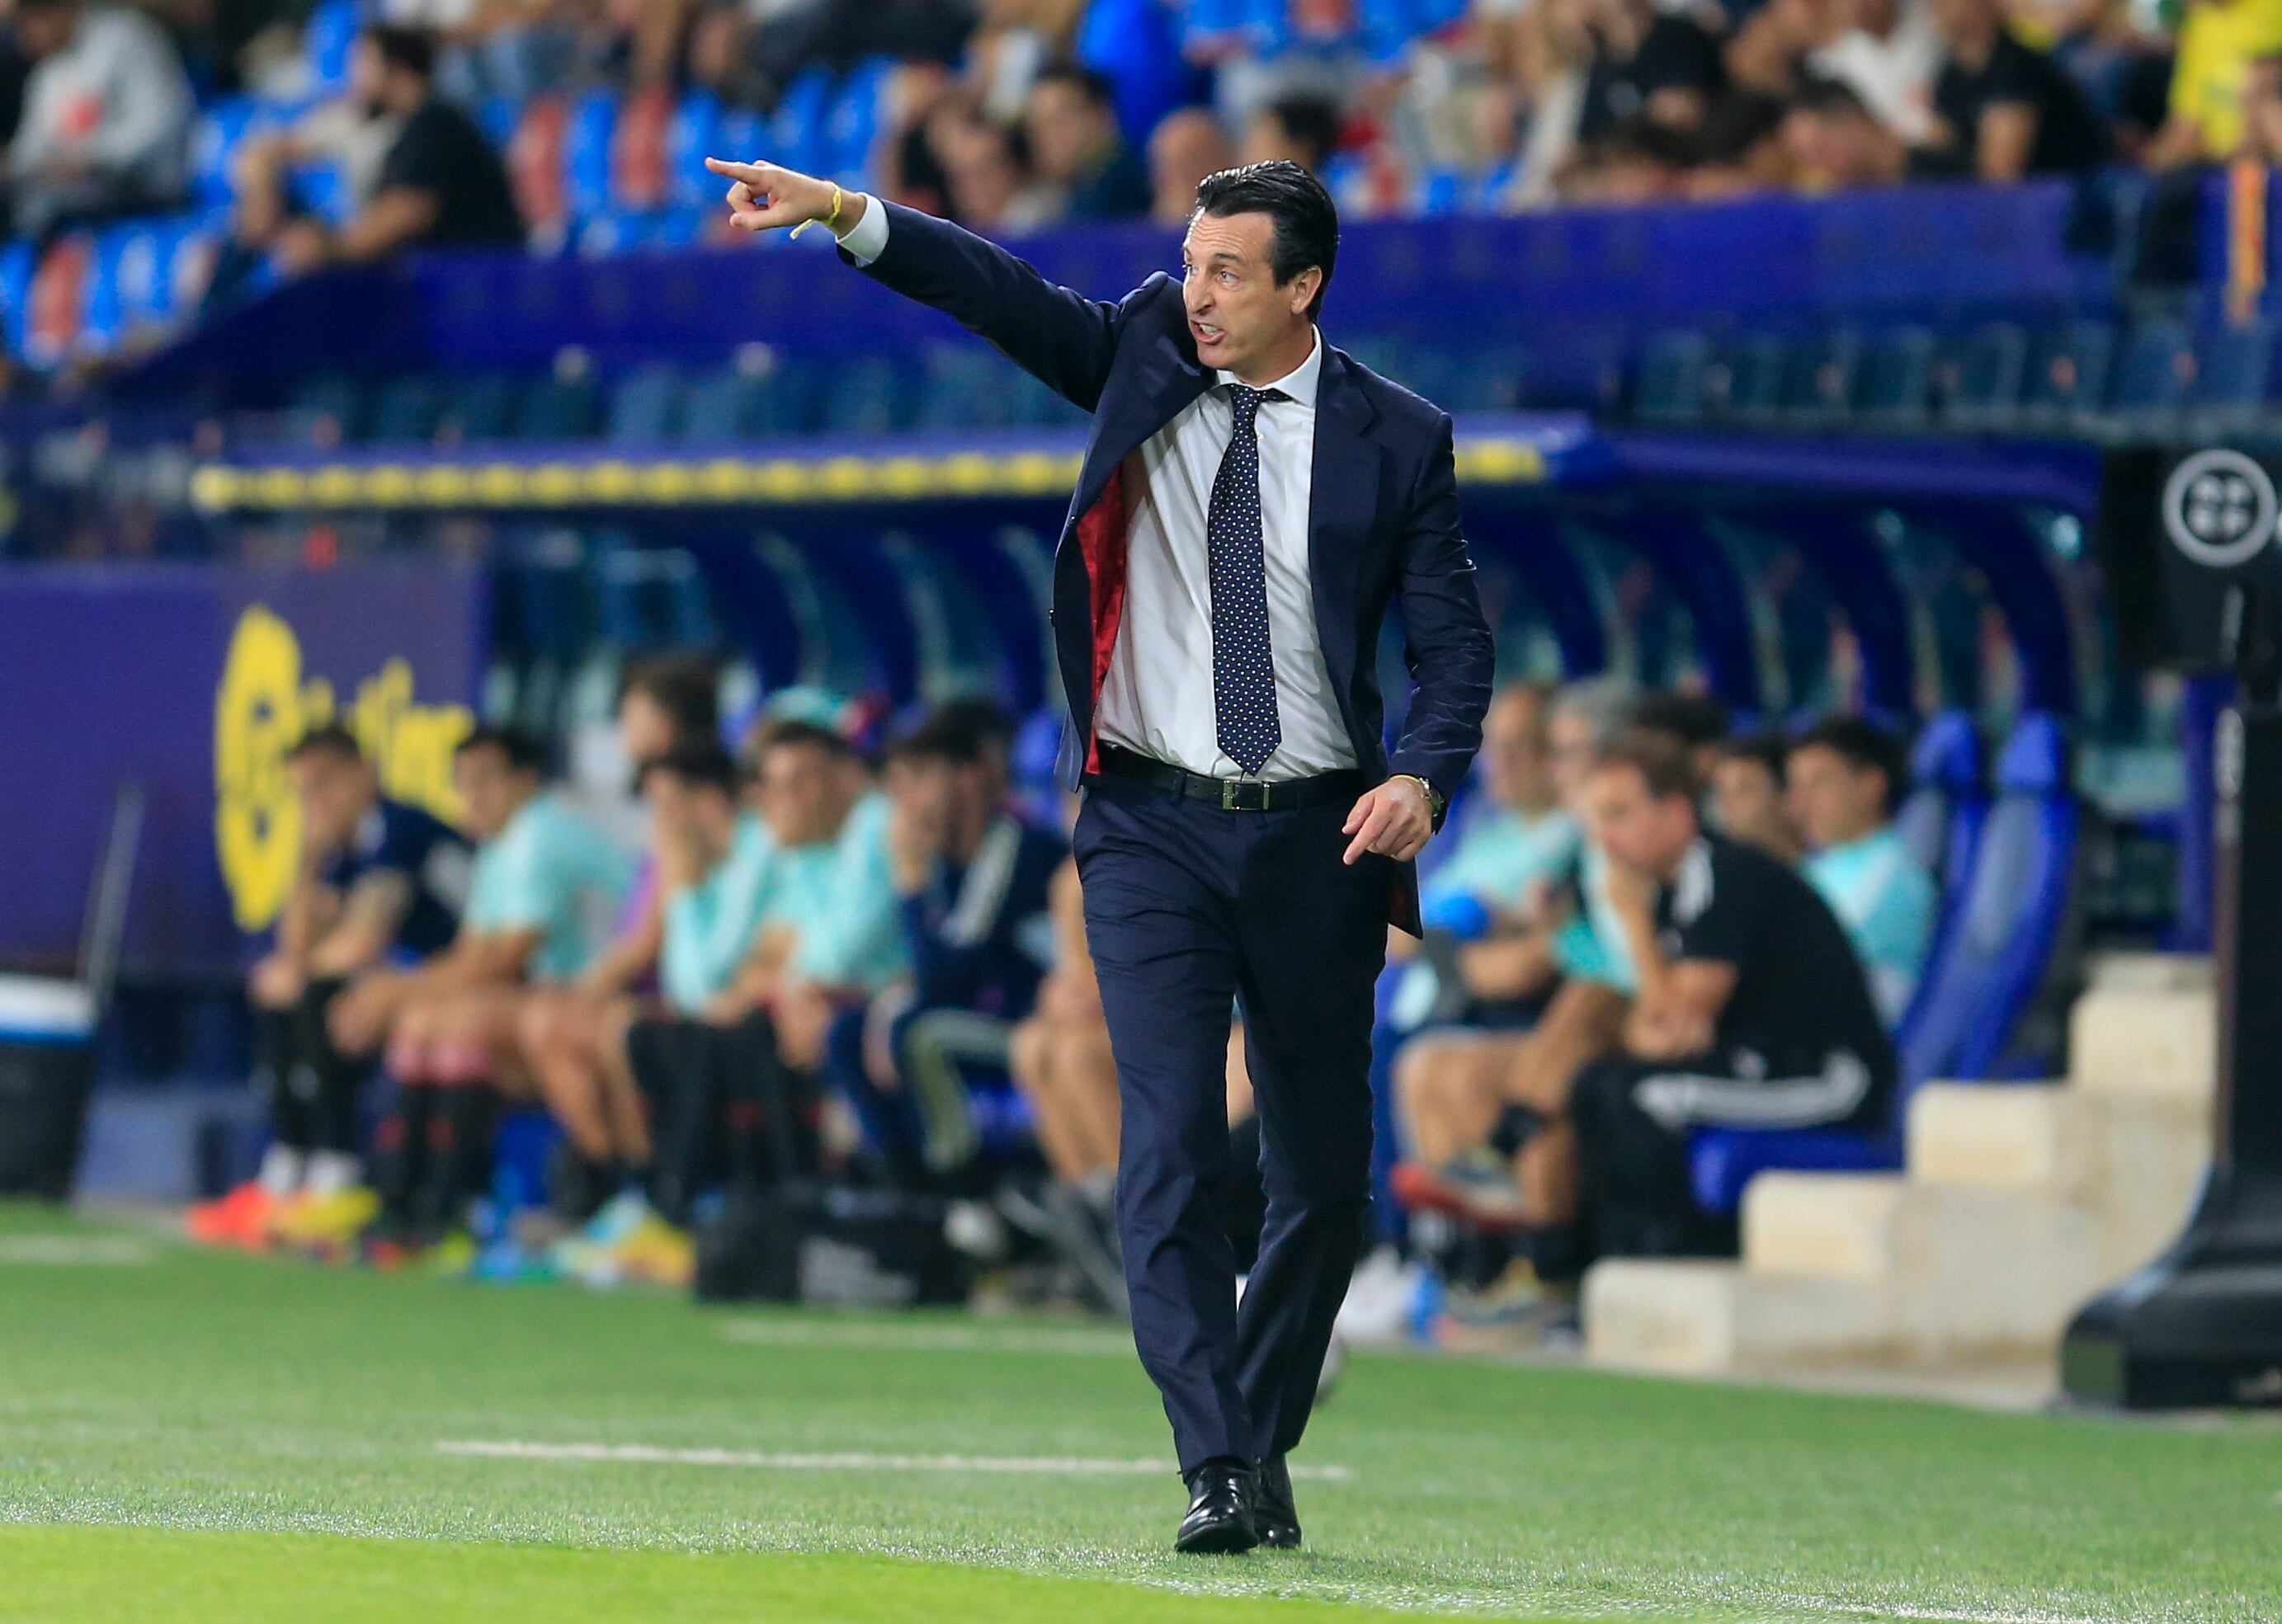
(1722,1161)
(2010,918)
(406,410)
(480,407)
(866,394)
(325,41)
(693,135)
(558,409)
(1897,388)
(967,387)
(647,405)
(17,262)
(327,410)
(1822,383)
(2067,383)
(586,151)
(1750,389)
(796,129)
(1941,819)
(725,406)
(855,117)
(1672,378)
(2234,376)
(2152,377)
(1987,378)
(213,143)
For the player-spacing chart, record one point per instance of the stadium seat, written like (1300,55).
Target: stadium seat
(647,405)
(326,411)
(795,133)
(405,410)
(1722,1161)
(2068,383)
(855,117)
(2010,919)
(694,134)
(1750,389)
(1672,379)
(2234,375)
(213,145)
(15,265)
(325,40)
(1986,379)
(725,406)
(480,407)
(1941,819)
(966,387)
(558,409)
(56,301)
(1897,385)
(587,137)
(2152,379)
(865,395)
(1821,384)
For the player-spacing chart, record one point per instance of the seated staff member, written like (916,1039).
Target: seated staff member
(546,882)
(665,703)
(1845,777)
(380,882)
(1748,795)
(716,865)
(1752,1010)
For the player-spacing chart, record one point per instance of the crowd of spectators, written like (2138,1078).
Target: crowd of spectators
(860,963)
(1012,114)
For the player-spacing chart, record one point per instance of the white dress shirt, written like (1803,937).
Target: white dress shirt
(1157,697)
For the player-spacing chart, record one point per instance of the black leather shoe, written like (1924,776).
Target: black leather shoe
(1219,1522)
(1273,1513)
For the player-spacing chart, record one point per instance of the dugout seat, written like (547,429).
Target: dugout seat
(648,406)
(1897,381)
(1672,378)
(2010,918)
(1941,819)
(2234,376)
(1985,379)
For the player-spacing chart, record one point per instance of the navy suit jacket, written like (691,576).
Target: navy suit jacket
(1382,524)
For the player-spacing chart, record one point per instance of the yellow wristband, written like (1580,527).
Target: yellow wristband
(830,220)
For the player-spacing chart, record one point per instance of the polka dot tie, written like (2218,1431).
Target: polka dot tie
(1244,662)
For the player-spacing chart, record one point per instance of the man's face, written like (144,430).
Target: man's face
(491,789)
(1064,128)
(921,786)
(1832,801)
(645,730)
(369,79)
(1572,743)
(1187,147)
(335,792)
(1516,768)
(799,794)
(1748,798)
(1636,829)
(1237,315)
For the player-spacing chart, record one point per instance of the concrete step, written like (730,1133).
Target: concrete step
(2145,1037)
(1960,1271)
(1699,1316)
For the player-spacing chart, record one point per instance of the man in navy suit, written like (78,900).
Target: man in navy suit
(1252,502)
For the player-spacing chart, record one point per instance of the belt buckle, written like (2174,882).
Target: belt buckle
(1228,796)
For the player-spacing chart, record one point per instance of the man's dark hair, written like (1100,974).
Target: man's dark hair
(795,731)
(1737,123)
(1692,718)
(686,687)
(520,750)
(413,49)
(1770,750)
(331,738)
(1661,760)
(1312,123)
(962,733)
(1829,99)
(1863,746)
(1306,221)
(701,766)
(1648,141)
(1092,83)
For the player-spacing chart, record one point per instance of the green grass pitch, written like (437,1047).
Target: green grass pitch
(193,1438)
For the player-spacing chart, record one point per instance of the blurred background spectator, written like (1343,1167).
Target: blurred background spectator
(105,124)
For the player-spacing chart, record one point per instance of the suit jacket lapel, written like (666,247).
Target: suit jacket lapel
(1169,378)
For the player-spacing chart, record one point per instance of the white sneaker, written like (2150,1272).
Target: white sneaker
(1380,1298)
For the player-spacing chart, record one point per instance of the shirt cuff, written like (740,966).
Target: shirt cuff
(867,239)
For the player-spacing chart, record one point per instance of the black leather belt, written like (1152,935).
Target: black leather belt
(1230,794)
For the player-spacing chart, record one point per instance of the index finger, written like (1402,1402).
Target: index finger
(752,175)
(1373,826)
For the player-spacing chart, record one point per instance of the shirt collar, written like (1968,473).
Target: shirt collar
(1300,382)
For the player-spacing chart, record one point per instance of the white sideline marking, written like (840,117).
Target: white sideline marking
(648,1454)
(72,1251)
(1074,1341)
